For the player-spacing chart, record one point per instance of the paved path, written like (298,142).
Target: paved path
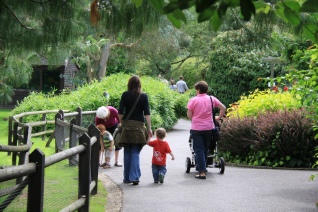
(238,189)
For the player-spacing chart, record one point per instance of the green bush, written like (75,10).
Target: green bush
(235,68)
(281,138)
(166,106)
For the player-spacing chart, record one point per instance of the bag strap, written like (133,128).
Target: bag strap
(212,110)
(133,107)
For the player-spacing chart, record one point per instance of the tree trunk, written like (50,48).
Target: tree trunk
(88,71)
(103,61)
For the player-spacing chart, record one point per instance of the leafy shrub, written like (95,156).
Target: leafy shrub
(166,106)
(281,138)
(237,135)
(235,71)
(260,102)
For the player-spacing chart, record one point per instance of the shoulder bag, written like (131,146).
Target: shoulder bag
(118,132)
(216,131)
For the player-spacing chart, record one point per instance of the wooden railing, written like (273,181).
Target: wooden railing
(33,173)
(30,169)
(43,123)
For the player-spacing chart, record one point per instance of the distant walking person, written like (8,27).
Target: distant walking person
(173,85)
(160,149)
(182,85)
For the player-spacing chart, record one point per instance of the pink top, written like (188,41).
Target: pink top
(113,118)
(201,109)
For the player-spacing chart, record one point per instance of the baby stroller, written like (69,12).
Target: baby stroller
(218,162)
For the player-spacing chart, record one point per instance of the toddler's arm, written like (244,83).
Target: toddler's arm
(101,142)
(172,156)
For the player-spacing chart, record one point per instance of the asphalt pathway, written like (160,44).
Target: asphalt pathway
(238,189)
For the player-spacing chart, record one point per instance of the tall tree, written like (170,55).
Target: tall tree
(30,28)
(112,17)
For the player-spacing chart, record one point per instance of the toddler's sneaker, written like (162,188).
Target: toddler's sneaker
(161,177)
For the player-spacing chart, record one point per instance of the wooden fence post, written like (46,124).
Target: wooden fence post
(44,127)
(84,170)
(79,116)
(94,132)
(72,143)
(15,142)
(23,156)
(36,182)
(58,116)
(10,132)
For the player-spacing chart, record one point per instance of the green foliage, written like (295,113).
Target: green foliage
(86,55)
(42,24)
(124,16)
(305,82)
(157,49)
(193,70)
(275,139)
(235,70)
(214,11)
(260,102)
(166,106)
(15,72)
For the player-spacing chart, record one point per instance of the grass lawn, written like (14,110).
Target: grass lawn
(61,180)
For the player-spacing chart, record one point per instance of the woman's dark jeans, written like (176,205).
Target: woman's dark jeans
(201,144)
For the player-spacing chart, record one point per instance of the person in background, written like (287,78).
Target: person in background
(200,113)
(134,140)
(107,145)
(160,149)
(173,85)
(108,116)
(182,85)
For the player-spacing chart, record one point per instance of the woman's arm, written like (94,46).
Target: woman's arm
(120,118)
(189,114)
(222,112)
(148,122)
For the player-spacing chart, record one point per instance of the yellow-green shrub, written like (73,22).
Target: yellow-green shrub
(260,102)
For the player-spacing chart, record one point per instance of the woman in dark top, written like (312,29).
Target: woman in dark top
(135,135)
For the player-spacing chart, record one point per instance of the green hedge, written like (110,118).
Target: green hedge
(166,106)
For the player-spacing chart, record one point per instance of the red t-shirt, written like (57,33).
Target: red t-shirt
(113,118)
(160,149)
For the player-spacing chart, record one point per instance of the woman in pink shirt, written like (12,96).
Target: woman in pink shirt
(200,113)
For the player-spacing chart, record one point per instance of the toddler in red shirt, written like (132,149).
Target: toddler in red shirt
(160,149)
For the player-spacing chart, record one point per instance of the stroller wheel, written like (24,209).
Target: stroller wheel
(188,164)
(222,165)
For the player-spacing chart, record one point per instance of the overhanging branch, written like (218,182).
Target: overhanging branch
(15,17)
(124,45)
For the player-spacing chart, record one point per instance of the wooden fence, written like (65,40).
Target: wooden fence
(30,170)
(43,123)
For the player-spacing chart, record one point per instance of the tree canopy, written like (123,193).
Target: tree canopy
(214,11)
